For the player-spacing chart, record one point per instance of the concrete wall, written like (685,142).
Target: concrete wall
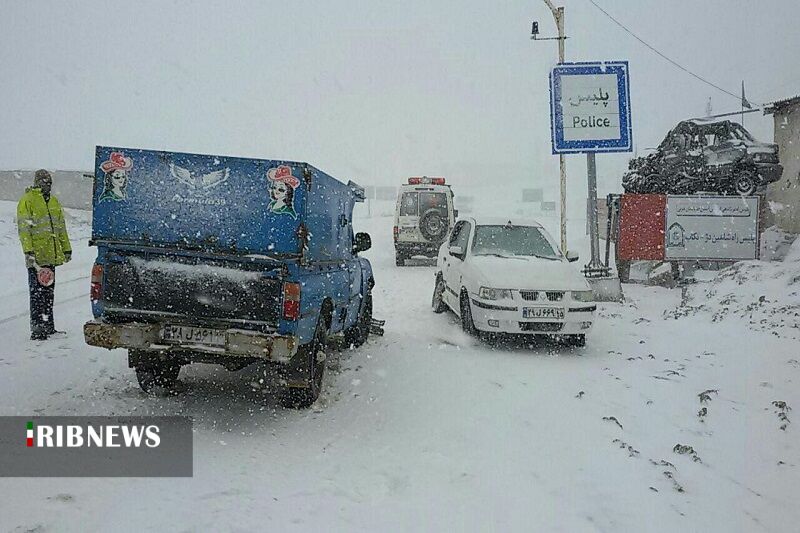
(71,188)
(785,193)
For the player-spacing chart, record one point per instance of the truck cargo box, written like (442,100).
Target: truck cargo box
(221,204)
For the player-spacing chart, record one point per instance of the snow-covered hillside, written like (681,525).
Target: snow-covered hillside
(667,420)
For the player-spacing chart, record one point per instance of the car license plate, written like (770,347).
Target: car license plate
(193,335)
(543,312)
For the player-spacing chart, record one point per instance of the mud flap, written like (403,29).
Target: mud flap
(376,327)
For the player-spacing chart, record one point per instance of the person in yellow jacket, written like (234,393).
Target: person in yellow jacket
(45,243)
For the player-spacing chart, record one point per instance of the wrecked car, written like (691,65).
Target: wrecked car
(719,157)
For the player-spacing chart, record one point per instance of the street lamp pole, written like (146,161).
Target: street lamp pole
(558,15)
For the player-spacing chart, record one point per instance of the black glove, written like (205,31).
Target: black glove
(30,260)
(67,257)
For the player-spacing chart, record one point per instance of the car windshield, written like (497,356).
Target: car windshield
(511,240)
(738,132)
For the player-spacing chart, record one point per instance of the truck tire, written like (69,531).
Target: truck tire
(399,259)
(157,374)
(437,302)
(433,225)
(304,397)
(358,333)
(467,323)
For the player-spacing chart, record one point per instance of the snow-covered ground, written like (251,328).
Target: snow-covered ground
(427,429)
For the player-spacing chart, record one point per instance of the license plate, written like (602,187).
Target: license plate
(193,335)
(543,312)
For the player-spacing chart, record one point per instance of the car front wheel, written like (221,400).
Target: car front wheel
(467,323)
(437,302)
(744,184)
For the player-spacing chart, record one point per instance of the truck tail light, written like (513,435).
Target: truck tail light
(396,232)
(96,291)
(291,301)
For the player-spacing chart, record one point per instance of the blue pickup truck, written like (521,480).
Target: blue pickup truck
(225,260)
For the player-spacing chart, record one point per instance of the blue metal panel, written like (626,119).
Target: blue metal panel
(190,200)
(561,146)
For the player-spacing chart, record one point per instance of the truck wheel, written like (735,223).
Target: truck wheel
(399,260)
(437,302)
(358,333)
(744,184)
(302,398)
(155,374)
(466,315)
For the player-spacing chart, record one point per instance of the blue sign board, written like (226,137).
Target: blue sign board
(590,108)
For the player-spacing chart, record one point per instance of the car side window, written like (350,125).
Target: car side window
(463,236)
(455,233)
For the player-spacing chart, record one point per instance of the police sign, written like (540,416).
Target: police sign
(590,107)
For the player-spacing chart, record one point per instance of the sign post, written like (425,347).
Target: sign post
(590,113)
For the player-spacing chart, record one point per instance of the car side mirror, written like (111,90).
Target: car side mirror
(572,256)
(455,213)
(456,251)
(362,242)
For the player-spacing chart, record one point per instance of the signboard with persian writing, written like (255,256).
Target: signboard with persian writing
(722,228)
(590,107)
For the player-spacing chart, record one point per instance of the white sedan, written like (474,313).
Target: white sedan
(508,276)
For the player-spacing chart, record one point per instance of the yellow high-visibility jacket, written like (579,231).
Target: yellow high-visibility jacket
(41,226)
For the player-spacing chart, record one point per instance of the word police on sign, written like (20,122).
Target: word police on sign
(590,107)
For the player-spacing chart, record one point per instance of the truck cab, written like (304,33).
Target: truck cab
(423,217)
(225,260)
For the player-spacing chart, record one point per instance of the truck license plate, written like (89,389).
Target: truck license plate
(542,312)
(193,335)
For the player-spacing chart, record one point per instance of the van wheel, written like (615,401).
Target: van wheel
(399,260)
(437,302)
(466,315)
(157,374)
(358,333)
(312,354)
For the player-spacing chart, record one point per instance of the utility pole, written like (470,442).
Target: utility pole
(558,15)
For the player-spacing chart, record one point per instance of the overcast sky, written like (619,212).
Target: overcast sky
(367,90)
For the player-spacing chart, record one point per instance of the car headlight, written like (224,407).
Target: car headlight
(765,157)
(583,296)
(487,293)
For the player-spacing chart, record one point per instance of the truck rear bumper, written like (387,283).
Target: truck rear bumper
(144,336)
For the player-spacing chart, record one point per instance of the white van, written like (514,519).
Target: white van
(423,217)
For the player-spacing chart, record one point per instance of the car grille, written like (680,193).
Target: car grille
(541,326)
(533,296)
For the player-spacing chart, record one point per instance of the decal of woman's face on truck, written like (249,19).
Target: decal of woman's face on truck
(116,171)
(281,190)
